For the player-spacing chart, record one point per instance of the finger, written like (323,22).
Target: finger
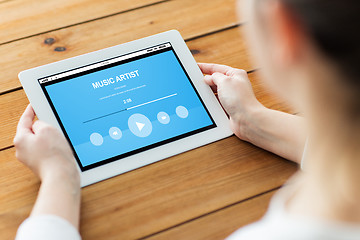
(38,125)
(24,126)
(218,78)
(209,80)
(26,120)
(211,68)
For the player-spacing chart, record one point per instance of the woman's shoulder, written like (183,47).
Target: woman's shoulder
(278,224)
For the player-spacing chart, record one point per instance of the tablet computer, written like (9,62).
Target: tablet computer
(127,106)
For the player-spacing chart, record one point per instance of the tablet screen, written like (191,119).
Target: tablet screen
(125,105)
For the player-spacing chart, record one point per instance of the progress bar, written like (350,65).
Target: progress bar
(122,110)
(152,101)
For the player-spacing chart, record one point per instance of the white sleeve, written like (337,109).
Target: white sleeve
(47,227)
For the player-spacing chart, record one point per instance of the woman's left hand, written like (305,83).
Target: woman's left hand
(43,148)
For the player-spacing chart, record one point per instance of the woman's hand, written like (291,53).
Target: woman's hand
(43,149)
(235,94)
(46,152)
(278,132)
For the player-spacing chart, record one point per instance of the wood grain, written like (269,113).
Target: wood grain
(155,197)
(226,47)
(182,15)
(22,18)
(220,224)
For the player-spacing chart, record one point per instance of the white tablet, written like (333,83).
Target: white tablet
(127,106)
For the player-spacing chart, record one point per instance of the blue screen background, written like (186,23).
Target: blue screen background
(76,102)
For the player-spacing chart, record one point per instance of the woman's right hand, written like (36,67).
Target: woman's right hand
(235,94)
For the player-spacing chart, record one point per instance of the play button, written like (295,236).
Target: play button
(140,125)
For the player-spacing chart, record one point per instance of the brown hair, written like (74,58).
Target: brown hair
(334,26)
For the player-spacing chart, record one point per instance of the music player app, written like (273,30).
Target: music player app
(122,106)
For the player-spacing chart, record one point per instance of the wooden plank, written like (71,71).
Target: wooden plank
(178,14)
(13,104)
(156,197)
(20,186)
(22,18)
(227,47)
(220,224)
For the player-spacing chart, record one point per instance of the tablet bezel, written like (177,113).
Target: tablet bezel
(29,80)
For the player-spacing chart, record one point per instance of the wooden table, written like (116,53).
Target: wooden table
(206,193)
